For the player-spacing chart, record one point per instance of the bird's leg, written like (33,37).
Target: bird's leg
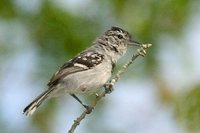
(74,96)
(89,109)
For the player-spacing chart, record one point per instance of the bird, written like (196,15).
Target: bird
(89,70)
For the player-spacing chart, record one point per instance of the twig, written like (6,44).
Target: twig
(109,86)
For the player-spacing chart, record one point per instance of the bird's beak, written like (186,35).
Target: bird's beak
(135,43)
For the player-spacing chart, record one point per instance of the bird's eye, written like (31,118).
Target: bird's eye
(120,36)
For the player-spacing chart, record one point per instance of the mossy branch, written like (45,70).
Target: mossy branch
(109,86)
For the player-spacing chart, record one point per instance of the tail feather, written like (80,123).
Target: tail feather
(30,109)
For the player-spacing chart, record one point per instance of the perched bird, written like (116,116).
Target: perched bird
(89,70)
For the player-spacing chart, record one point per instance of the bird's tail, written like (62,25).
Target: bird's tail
(30,109)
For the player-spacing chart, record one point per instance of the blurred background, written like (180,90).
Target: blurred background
(158,94)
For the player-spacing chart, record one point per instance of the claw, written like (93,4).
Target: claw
(89,109)
(108,87)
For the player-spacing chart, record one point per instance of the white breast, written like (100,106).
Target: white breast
(88,81)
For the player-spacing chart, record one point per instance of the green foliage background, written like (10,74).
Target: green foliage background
(58,34)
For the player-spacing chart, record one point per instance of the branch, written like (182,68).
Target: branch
(109,86)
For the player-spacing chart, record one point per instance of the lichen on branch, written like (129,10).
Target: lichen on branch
(141,51)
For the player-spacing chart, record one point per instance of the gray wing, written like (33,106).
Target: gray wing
(82,62)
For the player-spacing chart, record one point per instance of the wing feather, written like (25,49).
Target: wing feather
(82,62)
